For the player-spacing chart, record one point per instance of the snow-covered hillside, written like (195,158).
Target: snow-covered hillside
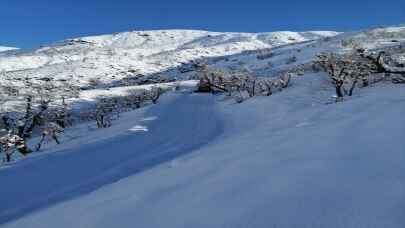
(135,54)
(199,161)
(164,55)
(7,48)
(292,159)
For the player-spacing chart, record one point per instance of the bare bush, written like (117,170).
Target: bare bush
(50,130)
(104,112)
(291,60)
(95,82)
(358,68)
(265,55)
(9,145)
(108,108)
(155,93)
(38,102)
(239,85)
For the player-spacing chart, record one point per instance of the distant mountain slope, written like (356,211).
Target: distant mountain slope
(7,48)
(169,54)
(112,57)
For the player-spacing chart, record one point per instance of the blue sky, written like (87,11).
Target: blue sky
(30,23)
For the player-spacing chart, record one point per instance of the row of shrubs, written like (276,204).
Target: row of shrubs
(48,118)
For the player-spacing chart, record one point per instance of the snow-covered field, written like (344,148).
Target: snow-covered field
(201,160)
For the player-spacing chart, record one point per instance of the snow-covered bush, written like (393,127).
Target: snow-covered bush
(155,93)
(265,55)
(37,103)
(9,144)
(239,85)
(291,60)
(95,82)
(108,108)
(104,112)
(358,68)
(49,130)
(350,44)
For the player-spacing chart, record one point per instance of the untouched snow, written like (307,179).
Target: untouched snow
(7,48)
(113,57)
(200,160)
(284,161)
(138,142)
(171,54)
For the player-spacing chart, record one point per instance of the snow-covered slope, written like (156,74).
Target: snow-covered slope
(7,48)
(288,161)
(201,160)
(169,54)
(113,57)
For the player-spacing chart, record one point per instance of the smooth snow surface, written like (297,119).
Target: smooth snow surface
(285,161)
(7,48)
(115,153)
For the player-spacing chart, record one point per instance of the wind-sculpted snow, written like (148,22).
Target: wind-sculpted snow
(285,161)
(142,140)
(288,160)
(7,48)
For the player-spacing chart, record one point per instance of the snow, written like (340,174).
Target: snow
(113,57)
(120,152)
(201,160)
(91,95)
(7,48)
(285,161)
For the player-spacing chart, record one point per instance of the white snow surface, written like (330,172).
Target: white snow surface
(116,56)
(201,161)
(7,48)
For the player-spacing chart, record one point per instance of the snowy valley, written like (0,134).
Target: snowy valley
(183,128)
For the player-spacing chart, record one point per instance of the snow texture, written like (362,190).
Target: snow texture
(201,160)
(7,48)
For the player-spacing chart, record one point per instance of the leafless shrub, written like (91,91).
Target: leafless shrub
(351,44)
(265,55)
(95,82)
(358,68)
(49,130)
(239,85)
(105,108)
(9,145)
(291,60)
(155,93)
(109,108)
(398,80)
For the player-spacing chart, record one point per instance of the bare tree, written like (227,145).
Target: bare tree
(354,67)
(9,144)
(285,80)
(38,101)
(155,93)
(51,130)
(266,86)
(104,111)
(240,84)
(291,60)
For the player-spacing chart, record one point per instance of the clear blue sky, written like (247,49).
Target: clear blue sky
(29,23)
